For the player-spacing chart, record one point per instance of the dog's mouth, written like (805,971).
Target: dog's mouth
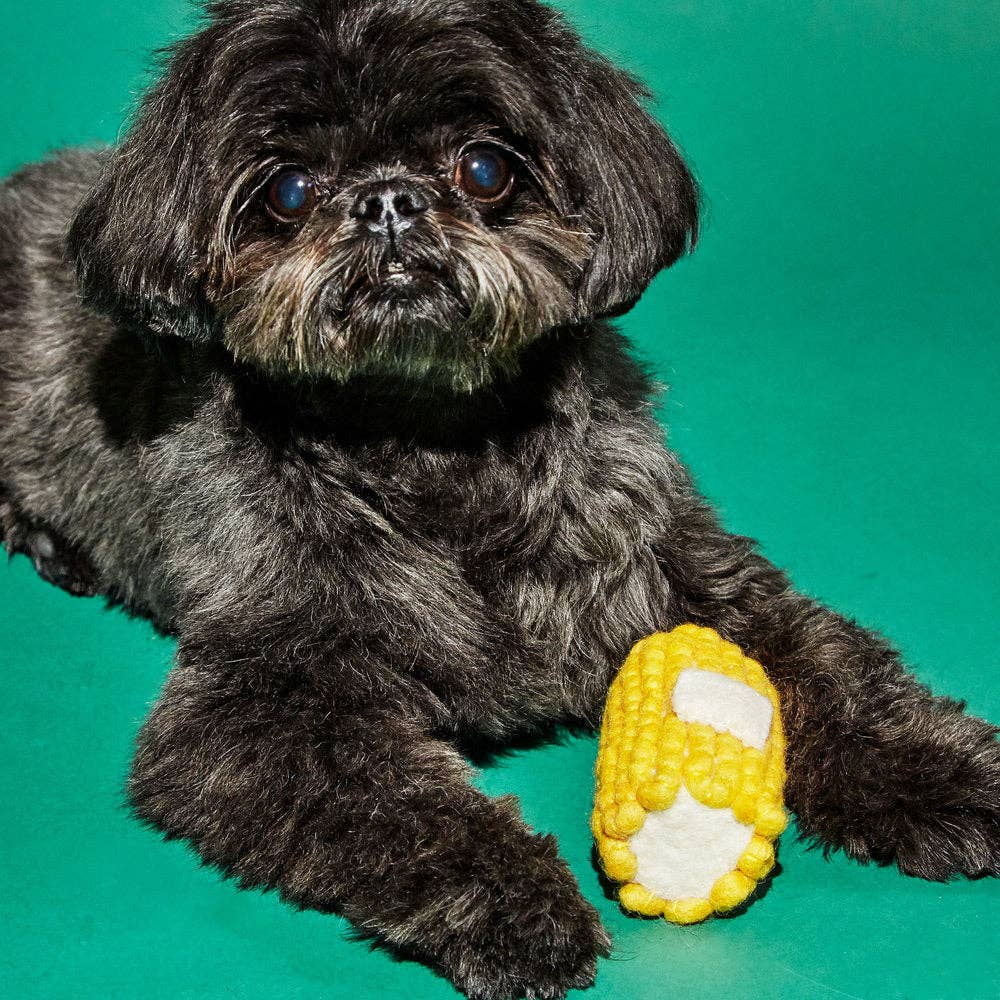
(399,274)
(395,281)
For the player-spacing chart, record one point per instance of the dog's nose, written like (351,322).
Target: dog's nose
(388,208)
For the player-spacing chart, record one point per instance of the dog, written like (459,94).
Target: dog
(316,370)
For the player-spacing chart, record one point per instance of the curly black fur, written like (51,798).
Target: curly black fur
(381,525)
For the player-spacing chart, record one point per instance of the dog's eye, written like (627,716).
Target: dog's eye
(291,195)
(484,173)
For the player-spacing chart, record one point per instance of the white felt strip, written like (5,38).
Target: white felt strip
(725,704)
(683,850)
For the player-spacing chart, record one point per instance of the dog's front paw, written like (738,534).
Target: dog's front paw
(530,938)
(959,842)
(944,821)
(534,952)
(968,846)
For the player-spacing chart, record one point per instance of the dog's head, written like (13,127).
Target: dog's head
(421,186)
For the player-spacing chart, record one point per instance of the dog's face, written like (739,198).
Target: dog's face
(417,186)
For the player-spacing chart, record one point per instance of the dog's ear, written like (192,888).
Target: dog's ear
(636,195)
(136,238)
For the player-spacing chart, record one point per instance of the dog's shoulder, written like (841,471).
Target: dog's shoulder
(37,203)
(62,179)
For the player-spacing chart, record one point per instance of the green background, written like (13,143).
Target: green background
(832,349)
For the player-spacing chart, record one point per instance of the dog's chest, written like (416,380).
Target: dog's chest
(546,557)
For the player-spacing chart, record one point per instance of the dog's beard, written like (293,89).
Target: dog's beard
(453,302)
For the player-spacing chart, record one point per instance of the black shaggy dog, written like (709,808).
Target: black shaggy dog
(314,370)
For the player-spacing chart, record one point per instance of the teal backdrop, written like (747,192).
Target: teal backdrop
(832,350)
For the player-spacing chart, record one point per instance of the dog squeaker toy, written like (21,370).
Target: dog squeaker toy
(690,771)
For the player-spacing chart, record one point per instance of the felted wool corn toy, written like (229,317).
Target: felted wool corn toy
(690,771)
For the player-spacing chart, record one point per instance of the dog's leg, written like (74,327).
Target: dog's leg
(877,764)
(55,560)
(331,791)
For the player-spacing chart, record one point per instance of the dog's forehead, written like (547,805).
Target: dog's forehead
(386,65)
(401,62)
